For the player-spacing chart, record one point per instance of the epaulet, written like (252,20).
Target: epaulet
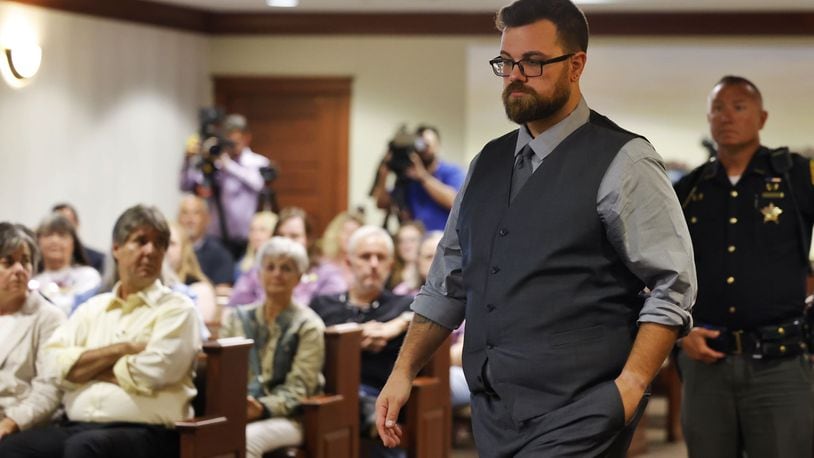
(780,160)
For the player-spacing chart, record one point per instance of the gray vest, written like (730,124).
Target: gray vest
(549,302)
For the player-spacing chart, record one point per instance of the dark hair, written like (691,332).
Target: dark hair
(572,26)
(425,127)
(733,80)
(66,206)
(57,223)
(141,216)
(296,212)
(13,236)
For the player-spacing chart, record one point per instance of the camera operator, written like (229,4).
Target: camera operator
(236,180)
(425,186)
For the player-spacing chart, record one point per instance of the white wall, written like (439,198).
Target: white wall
(102,124)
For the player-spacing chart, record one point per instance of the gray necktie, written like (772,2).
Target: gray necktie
(522,170)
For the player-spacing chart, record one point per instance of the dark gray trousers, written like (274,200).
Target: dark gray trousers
(763,408)
(590,426)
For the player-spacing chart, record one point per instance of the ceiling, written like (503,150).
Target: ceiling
(480,6)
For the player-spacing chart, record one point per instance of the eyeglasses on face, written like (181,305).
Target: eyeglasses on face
(503,66)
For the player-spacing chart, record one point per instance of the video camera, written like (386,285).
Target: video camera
(210,131)
(400,147)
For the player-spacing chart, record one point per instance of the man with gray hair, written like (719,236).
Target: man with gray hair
(383,315)
(237,182)
(125,359)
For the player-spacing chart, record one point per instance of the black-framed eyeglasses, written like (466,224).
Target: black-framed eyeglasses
(503,66)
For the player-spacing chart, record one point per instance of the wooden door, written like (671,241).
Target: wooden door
(302,125)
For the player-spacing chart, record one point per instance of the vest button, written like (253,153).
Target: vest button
(489,346)
(494,269)
(490,307)
(503,232)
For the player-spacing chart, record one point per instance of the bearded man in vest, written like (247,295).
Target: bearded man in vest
(568,255)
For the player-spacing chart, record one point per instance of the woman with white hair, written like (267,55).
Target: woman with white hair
(285,363)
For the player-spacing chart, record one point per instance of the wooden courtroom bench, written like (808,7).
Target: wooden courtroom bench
(219,428)
(331,420)
(428,428)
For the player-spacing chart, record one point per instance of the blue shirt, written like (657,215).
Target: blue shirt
(422,206)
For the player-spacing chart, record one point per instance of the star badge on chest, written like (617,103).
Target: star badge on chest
(771,213)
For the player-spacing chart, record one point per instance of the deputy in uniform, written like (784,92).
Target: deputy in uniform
(747,382)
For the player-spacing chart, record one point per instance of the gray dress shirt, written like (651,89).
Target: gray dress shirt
(643,221)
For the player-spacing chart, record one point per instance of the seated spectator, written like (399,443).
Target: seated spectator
(333,245)
(384,316)
(28,395)
(260,230)
(410,251)
(215,260)
(285,363)
(65,276)
(184,264)
(320,278)
(125,359)
(96,259)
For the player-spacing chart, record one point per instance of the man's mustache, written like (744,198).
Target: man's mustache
(517,86)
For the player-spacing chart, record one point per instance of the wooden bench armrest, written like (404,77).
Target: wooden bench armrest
(199,423)
(321,400)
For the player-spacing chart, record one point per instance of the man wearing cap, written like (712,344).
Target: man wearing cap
(238,181)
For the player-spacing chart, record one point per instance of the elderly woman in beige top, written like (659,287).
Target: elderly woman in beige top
(27,394)
(285,363)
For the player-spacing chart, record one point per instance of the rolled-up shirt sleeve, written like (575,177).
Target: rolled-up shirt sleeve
(645,225)
(167,358)
(442,299)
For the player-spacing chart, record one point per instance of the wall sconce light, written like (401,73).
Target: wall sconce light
(24,61)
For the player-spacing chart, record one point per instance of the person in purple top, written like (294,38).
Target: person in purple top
(238,179)
(320,278)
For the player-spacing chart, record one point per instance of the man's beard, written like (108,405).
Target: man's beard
(533,106)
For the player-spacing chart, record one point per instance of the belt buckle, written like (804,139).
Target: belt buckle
(738,342)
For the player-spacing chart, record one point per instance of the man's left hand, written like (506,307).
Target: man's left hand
(631,392)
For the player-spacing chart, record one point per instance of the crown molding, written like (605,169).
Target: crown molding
(777,23)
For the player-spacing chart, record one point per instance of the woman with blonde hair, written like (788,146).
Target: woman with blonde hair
(333,245)
(183,262)
(260,230)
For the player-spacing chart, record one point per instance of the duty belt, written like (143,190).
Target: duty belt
(765,342)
